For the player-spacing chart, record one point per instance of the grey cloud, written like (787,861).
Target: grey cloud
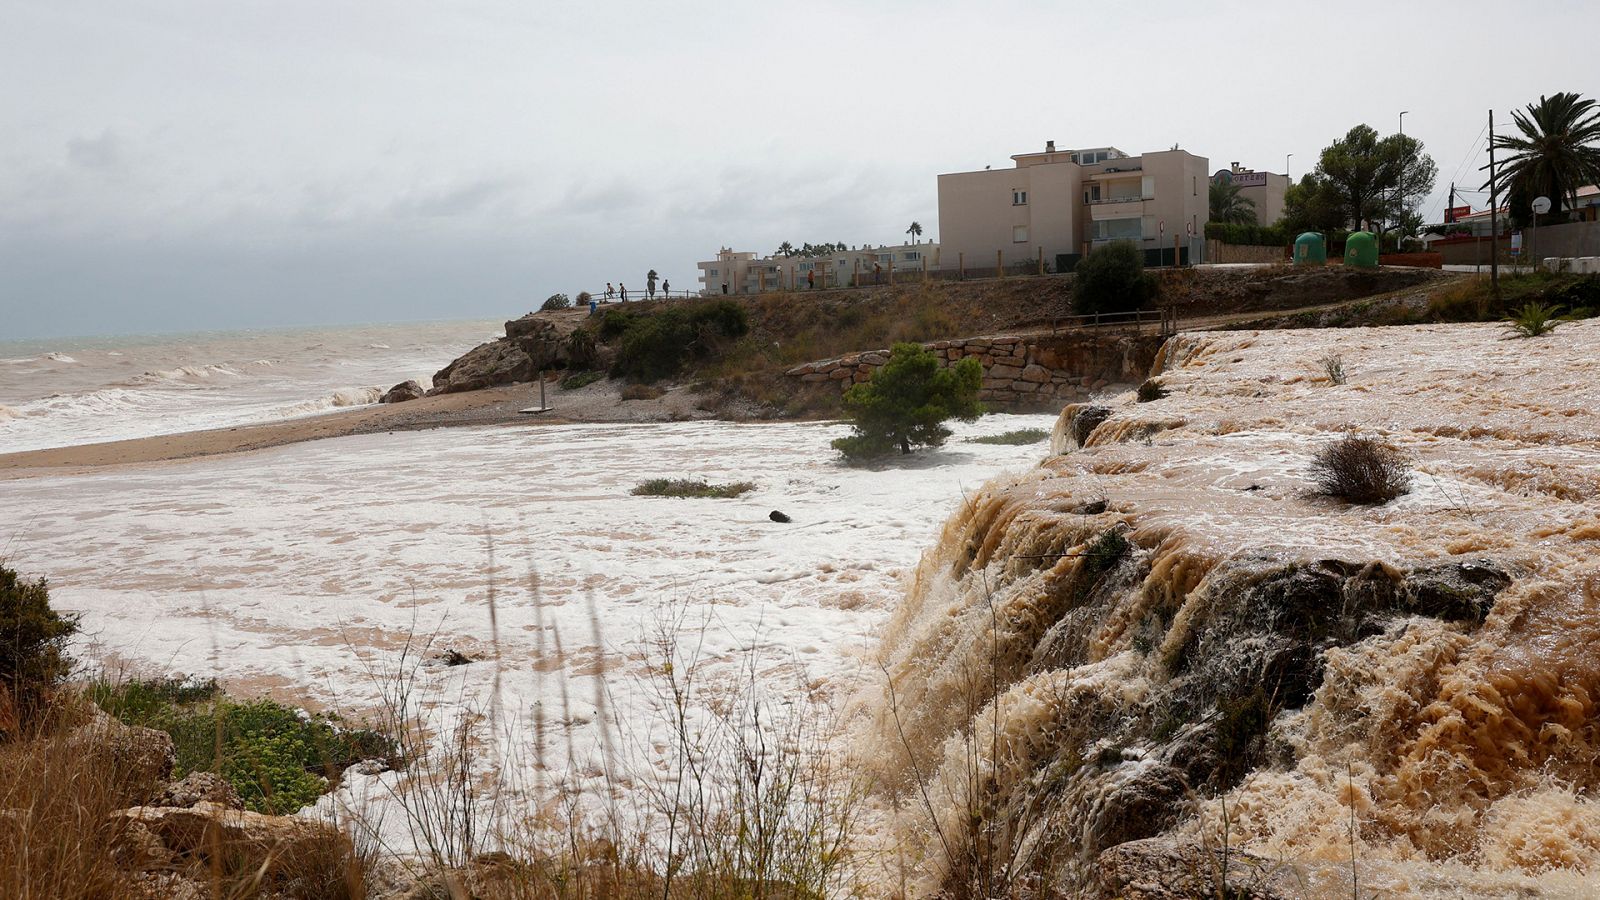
(103,152)
(455,200)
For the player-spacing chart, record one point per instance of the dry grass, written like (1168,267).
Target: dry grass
(689,487)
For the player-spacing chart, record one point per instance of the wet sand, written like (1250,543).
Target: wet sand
(599,402)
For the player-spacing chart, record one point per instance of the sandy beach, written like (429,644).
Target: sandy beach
(599,402)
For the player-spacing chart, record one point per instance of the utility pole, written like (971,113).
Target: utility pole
(1494,217)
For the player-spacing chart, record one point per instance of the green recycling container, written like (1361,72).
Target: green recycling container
(1310,250)
(1361,250)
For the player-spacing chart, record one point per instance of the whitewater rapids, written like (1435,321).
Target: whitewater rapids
(1035,663)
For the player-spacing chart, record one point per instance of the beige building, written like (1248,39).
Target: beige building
(1264,189)
(1070,201)
(746,273)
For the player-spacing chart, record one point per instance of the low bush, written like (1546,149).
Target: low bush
(659,344)
(33,641)
(1017,438)
(688,487)
(1361,470)
(1112,279)
(556,301)
(276,757)
(1151,390)
(583,298)
(1333,367)
(1249,234)
(580,379)
(1532,320)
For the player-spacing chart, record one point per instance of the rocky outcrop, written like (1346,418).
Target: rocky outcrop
(1034,372)
(532,344)
(200,787)
(270,848)
(143,757)
(1168,869)
(405,390)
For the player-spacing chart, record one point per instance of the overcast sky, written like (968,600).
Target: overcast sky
(193,164)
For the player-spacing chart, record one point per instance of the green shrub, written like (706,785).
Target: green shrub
(556,301)
(580,379)
(907,401)
(1017,438)
(33,640)
(275,756)
(688,487)
(1112,279)
(1532,320)
(661,343)
(1249,234)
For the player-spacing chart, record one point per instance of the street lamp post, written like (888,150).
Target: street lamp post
(1399,184)
(1286,158)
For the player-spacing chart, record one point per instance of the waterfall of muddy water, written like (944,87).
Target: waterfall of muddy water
(1165,638)
(304,570)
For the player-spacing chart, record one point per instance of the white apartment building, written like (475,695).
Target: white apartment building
(743,272)
(1070,201)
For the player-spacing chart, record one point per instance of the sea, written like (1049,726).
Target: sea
(63,391)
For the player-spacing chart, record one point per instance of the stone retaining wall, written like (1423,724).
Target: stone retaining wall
(1045,371)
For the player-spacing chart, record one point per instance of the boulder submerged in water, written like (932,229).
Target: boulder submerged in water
(777,516)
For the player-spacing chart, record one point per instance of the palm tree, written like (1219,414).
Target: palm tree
(785,249)
(915,231)
(1228,206)
(1555,154)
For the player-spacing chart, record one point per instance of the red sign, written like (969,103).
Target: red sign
(1457,212)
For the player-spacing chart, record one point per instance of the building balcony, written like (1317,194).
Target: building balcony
(1119,208)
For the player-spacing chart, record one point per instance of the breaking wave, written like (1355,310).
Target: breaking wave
(7,412)
(183,375)
(59,357)
(361,396)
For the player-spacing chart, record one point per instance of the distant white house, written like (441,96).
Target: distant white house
(743,272)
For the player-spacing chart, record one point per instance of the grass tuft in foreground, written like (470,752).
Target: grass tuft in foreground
(1361,469)
(1532,320)
(1016,438)
(688,487)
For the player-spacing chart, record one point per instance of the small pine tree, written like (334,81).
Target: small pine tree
(33,639)
(907,401)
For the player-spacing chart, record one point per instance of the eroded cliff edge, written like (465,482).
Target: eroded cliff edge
(1160,661)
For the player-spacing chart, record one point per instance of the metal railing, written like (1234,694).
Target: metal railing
(1164,320)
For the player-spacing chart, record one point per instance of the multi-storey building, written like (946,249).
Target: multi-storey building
(1264,189)
(1066,202)
(743,272)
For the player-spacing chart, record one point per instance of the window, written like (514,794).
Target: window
(1118,229)
(1019,234)
(1092,195)
(1147,187)
(806,267)
(712,272)
(911,256)
(1019,198)
(885,257)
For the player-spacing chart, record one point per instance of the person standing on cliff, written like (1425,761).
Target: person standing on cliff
(624,288)
(666,288)
(609,291)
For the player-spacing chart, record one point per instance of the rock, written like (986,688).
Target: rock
(143,757)
(1164,868)
(778,517)
(1456,591)
(1036,373)
(277,847)
(1002,371)
(497,362)
(1092,508)
(200,787)
(405,390)
(1086,420)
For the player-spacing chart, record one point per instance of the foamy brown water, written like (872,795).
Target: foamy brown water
(306,567)
(1469,754)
